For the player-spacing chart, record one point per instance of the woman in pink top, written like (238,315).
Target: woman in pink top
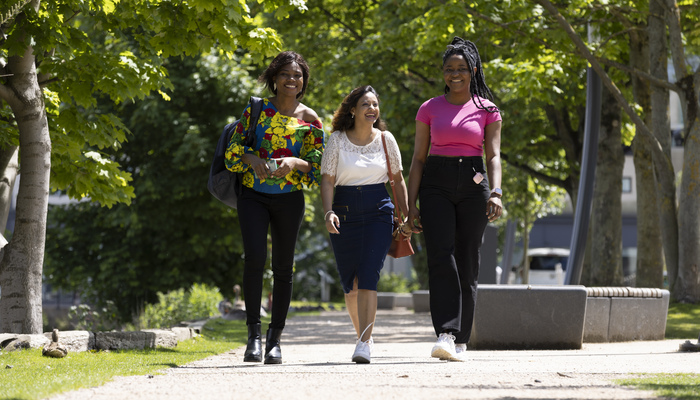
(448,174)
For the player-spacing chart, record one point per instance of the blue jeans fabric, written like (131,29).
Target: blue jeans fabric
(453,214)
(282,214)
(366,215)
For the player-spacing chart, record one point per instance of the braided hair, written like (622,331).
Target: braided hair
(477,86)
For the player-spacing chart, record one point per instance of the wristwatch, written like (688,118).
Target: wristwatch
(497,192)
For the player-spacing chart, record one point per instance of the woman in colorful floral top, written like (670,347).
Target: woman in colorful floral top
(286,156)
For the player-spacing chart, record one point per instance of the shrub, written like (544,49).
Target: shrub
(199,302)
(87,318)
(397,283)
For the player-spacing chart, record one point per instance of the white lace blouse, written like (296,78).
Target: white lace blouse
(353,165)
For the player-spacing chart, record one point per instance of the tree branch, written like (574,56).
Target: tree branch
(338,20)
(423,78)
(642,74)
(534,173)
(507,26)
(583,50)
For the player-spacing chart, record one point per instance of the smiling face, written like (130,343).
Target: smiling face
(366,109)
(289,80)
(456,73)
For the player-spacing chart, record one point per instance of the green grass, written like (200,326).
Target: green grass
(33,376)
(676,386)
(683,321)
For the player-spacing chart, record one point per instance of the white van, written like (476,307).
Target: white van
(547,266)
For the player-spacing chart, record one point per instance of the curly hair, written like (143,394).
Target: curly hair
(342,118)
(282,59)
(468,50)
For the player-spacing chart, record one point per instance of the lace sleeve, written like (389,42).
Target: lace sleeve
(329,162)
(394,153)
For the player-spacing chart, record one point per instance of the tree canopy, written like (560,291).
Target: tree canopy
(59,62)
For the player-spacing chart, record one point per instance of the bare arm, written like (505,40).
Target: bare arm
(492,149)
(327,189)
(401,193)
(420,155)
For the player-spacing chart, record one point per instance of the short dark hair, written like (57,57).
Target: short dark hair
(477,86)
(342,118)
(282,59)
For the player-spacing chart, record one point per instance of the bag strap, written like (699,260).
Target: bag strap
(256,104)
(391,178)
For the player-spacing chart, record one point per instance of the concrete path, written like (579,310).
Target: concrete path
(317,351)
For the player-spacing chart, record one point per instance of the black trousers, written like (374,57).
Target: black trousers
(282,213)
(453,213)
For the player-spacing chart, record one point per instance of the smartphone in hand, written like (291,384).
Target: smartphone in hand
(272,164)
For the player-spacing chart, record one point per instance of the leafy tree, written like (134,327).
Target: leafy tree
(174,232)
(540,77)
(54,66)
(398,49)
(669,25)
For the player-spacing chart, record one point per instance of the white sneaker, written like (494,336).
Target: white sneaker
(363,351)
(444,348)
(461,351)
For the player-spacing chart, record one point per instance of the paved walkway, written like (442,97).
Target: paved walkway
(317,350)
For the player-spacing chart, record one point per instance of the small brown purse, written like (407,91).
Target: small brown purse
(401,243)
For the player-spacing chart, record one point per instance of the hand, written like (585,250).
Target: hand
(414,220)
(406,231)
(332,223)
(494,208)
(285,165)
(258,165)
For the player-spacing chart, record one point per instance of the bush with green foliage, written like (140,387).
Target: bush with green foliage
(199,302)
(94,319)
(397,283)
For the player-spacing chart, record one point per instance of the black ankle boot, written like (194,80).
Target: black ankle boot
(273,353)
(253,351)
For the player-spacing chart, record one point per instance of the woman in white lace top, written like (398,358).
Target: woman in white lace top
(358,208)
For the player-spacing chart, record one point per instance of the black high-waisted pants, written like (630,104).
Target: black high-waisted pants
(453,213)
(282,213)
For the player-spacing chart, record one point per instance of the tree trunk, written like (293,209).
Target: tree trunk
(606,215)
(650,255)
(686,283)
(524,269)
(660,126)
(687,287)
(8,172)
(22,263)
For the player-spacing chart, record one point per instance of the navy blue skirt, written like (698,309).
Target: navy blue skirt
(366,214)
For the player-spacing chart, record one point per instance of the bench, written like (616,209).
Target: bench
(519,317)
(619,314)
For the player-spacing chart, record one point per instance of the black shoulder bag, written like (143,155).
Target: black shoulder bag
(223,184)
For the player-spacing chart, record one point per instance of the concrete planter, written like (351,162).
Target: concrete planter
(519,317)
(386,300)
(421,301)
(404,300)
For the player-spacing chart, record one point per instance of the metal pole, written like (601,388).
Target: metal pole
(585,188)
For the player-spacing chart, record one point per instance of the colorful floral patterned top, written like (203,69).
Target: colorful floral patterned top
(277,136)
